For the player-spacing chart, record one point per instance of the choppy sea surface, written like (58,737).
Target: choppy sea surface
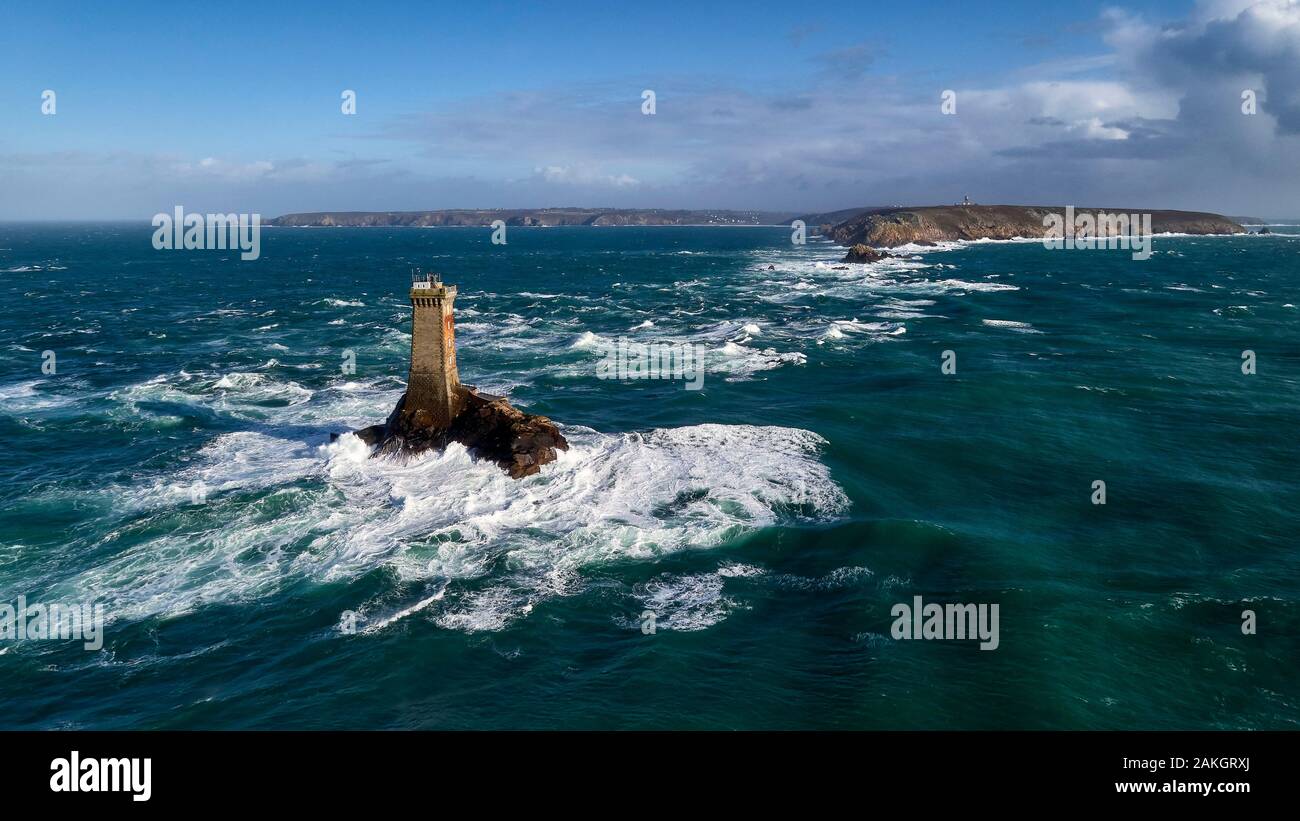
(826,471)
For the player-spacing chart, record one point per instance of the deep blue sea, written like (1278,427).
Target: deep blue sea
(826,471)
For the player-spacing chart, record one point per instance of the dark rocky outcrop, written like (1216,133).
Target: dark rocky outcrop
(891,227)
(865,253)
(488,426)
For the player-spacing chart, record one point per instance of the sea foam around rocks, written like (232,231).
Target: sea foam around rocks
(280,512)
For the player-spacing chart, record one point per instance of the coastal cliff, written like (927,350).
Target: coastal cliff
(890,227)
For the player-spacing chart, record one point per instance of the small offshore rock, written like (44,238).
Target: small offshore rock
(865,253)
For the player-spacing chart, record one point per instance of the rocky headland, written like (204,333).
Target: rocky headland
(891,227)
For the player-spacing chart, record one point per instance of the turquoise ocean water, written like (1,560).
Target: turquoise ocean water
(826,471)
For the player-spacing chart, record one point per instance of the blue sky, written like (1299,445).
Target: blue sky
(236,106)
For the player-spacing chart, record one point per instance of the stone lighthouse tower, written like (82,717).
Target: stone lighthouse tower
(436,409)
(434,384)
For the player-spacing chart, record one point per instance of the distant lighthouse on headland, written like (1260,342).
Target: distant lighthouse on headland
(437,409)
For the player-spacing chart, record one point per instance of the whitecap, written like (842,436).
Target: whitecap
(590,341)
(1011,325)
(30,397)
(740,361)
(685,603)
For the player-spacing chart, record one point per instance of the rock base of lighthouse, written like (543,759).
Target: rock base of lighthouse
(488,426)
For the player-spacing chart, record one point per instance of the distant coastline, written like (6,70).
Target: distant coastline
(529,217)
(881,227)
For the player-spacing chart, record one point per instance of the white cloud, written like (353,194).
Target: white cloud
(583,175)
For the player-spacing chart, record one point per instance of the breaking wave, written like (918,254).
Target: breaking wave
(280,511)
